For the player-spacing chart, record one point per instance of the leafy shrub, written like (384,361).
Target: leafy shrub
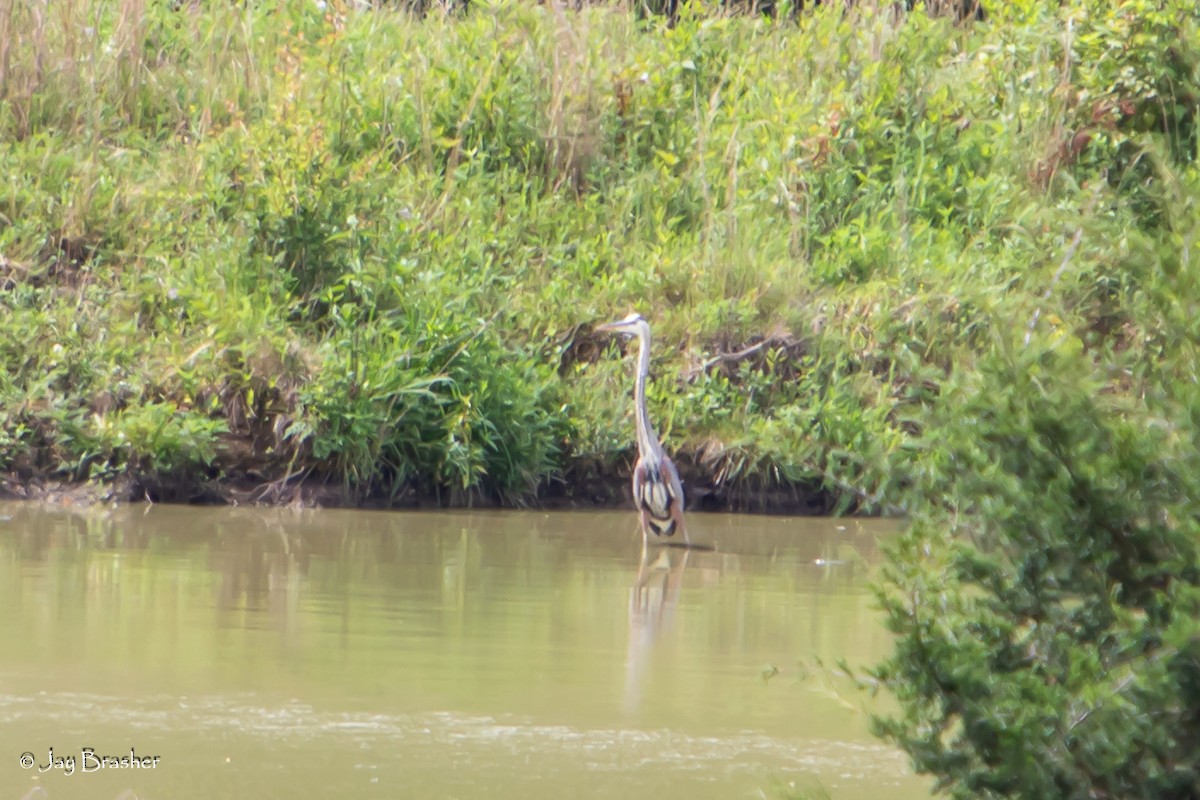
(1047,595)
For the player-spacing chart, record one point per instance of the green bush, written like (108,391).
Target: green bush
(1047,597)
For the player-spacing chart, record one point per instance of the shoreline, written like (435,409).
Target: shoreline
(586,492)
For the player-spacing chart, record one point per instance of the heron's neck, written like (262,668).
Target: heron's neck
(647,439)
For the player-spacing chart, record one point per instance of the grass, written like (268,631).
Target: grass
(255,243)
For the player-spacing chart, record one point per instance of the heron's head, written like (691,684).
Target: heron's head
(629,326)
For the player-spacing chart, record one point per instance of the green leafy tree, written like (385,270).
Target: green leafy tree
(1046,598)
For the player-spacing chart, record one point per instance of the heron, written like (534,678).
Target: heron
(657,491)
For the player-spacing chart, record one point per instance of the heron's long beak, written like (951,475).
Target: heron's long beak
(620,326)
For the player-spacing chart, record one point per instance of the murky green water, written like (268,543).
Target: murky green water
(356,654)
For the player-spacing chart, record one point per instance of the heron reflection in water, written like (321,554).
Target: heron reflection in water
(657,491)
(653,600)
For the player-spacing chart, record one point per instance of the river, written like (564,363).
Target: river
(369,654)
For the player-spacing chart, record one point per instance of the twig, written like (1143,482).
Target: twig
(742,355)
(1057,275)
(454,158)
(1080,717)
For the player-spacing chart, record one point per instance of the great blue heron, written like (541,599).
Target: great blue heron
(657,492)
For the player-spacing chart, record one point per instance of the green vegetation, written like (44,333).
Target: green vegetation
(258,243)
(924,266)
(1047,596)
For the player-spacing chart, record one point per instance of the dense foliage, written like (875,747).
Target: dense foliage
(931,266)
(1047,595)
(273,242)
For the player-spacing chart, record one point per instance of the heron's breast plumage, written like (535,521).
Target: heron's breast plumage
(653,495)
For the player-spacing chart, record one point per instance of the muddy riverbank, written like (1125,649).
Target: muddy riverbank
(579,487)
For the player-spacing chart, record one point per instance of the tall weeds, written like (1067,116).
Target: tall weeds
(264,241)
